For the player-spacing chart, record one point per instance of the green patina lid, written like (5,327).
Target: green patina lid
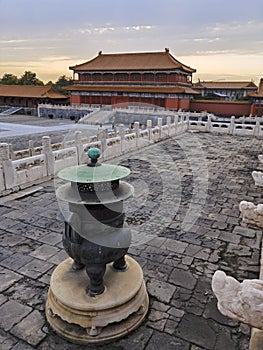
(93,172)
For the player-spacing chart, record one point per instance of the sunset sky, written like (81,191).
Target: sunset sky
(221,39)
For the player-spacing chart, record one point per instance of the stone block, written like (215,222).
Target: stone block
(162,291)
(30,328)
(11,313)
(160,340)
(196,330)
(183,278)
(174,246)
(35,268)
(44,252)
(15,261)
(8,278)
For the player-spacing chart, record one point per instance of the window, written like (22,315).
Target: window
(161,77)
(107,77)
(121,77)
(148,77)
(135,77)
(97,77)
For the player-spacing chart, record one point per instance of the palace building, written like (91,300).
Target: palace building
(225,90)
(154,78)
(257,96)
(29,95)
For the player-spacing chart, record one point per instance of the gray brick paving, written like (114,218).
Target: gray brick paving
(11,313)
(201,235)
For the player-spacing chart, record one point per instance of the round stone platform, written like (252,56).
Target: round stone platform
(79,318)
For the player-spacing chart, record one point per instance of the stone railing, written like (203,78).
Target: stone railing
(228,127)
(24,168)
(73,112)
(44,162)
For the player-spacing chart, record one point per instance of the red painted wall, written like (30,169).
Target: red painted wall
(257,109)
(221,107)
(184,104)
(74,99)
(176,103)
(171,103)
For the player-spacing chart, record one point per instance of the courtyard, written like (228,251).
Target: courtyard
(186,223)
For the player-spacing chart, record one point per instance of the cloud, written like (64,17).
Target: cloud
(47,31)
(13,41)
(57,58)
(137,28)
(90,30)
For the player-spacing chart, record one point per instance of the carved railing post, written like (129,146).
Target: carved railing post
(49,159)
(78,145)
(176,117)
(231,128)
(7,166)
(256,130)
(209,124)
(187,120)
(137,133)
(160,124)
(122,137)
(260,158)
(168,122)
(149,128)
(102,137)
(31,148)
(11,151)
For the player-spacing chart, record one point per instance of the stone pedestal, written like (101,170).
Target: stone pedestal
(251,213)
(82,319)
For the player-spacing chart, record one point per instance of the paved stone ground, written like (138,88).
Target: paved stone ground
(195,228)
(21,141)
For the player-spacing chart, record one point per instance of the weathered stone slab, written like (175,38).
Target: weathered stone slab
(162,291)
(11,313)
(167,342)
(15,261)
(8,278)
(196,330)
(44,252)
(30,328)
(35,268)
(182,278)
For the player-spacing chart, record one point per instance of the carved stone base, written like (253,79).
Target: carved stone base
(251,213)
(258,178)
(82,319)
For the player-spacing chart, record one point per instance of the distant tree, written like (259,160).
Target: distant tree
(9,79)
(50,83)
(62,82)
(29,78)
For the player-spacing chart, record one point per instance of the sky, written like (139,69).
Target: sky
(221,39)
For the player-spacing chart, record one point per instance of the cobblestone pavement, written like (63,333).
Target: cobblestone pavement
(188,226)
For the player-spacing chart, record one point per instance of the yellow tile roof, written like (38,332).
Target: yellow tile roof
(133,88)
(30,91)
(225,85)
(132,61)
(259,92)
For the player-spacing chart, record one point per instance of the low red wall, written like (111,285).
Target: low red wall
(221,107)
